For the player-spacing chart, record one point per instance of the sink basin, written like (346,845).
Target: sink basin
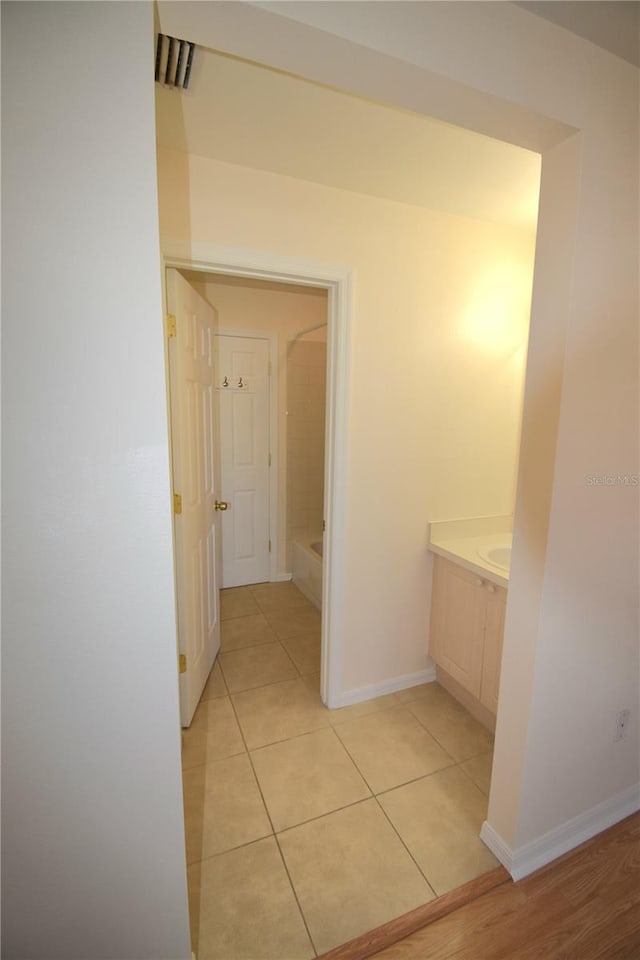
(498,554)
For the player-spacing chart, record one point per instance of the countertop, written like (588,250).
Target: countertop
(460,540)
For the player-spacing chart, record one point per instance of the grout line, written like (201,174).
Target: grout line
(439,742)
(290,658)
(222,853)
(374,797)
(224,679)
(248,646)
(239,616)
(295,893)
(405,845)
(424,776)
(273,743)
(322,816)
(266,808)
(467,774)
(297,736)
(270,683)
(346,750)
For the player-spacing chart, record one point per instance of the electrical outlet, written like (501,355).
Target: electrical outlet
(622,722)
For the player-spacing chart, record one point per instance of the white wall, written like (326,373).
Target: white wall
(496,68)
(283,310)
(93,845)
(441,307)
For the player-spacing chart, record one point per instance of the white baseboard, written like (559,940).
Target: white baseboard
(537,853)
(281,577)
(360,694)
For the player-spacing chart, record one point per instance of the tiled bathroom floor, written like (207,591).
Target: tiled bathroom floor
(307,826)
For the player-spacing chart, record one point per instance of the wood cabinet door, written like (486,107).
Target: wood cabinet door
(496,603)
(457,623)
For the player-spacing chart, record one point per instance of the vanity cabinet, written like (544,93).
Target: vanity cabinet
(467,626)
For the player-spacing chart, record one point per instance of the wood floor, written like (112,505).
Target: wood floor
(584,906)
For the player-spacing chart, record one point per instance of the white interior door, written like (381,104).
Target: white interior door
(193,440)
(243,390)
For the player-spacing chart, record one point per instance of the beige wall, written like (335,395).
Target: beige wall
(441,306)
(306,395)
(283,310)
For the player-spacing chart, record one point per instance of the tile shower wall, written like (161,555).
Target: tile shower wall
(306,385)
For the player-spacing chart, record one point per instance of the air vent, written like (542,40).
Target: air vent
(174,59)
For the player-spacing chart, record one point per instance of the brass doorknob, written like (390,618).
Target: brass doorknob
(221,505)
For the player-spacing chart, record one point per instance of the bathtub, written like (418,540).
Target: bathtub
(306,568)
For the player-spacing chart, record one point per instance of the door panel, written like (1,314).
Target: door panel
(243,389)
(194,471)
(457,623)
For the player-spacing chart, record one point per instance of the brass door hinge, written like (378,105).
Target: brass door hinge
(171,325)
(177,503)
(269,546)
(269,369)
(269,459)
(182,663)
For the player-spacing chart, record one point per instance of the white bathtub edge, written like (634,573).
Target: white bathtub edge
(359,694)
(307,570)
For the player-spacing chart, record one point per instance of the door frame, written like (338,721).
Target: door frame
(273,433)
(337,280)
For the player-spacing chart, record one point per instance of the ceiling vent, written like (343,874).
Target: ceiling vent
(174,59)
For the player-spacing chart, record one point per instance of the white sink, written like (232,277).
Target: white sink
(498,554)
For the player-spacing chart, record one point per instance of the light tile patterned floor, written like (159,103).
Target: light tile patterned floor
(305,826)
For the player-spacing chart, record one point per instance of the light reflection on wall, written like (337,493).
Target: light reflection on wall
(496,316)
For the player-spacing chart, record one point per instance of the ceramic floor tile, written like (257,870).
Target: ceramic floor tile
(305,653)
(222,807)
(295,622)
(479,769)
(276,597)
(215,686)
(413,693)
(242,907)
(278,712)
(282,588)
(237,602)
(256,666)
(307,777)
(453,727)
(357,710)
(390,747)
(439,818)
(351,873)
(213,735)
(313,681)
(245,632)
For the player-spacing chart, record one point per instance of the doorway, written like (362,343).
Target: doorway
(245,267)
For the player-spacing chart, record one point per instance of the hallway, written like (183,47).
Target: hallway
(306,826)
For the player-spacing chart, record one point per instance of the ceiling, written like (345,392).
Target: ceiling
(613,25)
(242,113)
